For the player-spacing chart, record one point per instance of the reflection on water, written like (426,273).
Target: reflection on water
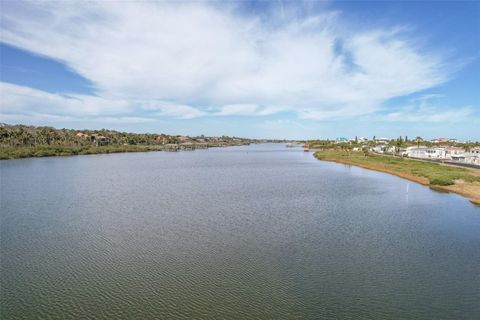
(258,232)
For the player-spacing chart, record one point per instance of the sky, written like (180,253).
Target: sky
(259,69)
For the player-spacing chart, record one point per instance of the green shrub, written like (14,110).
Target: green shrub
(441,182)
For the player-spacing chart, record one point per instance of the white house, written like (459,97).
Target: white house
(378,149)
(436,153)
(382,140)
(475,150)
(416,152)
(453,151)
(472,158)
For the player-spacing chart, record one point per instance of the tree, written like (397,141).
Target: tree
(365,152)
(399,144)
(46,135)
(418,140)
(24,137)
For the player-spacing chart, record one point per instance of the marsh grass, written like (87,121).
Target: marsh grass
(49,151)
(436,173)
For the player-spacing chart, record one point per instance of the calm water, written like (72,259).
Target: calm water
(259,232)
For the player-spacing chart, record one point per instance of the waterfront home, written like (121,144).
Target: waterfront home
(183,139)
(473,159)
(82,135)
(475,150)
(416,152)
(391,150)
(453,151)
(100,140)
(95,138)
(470,158)
(436,153)
(432,153)
(162,139)
(378,149)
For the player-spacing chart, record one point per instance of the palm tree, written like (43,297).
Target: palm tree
(46,135)
(418,140)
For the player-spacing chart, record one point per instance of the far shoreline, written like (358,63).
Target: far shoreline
(14,153)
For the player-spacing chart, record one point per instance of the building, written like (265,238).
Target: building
(82,135)
(436,153)
(440,140)
(100,140)
(472,159)
(382,140)
(416,152)
(475,150)
(453,151)
(378,149)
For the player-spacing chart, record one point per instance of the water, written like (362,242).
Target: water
(258,232)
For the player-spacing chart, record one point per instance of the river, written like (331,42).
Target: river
(251,232)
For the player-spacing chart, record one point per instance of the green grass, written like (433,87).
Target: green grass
(437,174)
(49,151)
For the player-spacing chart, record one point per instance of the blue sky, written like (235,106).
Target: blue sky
(273,69)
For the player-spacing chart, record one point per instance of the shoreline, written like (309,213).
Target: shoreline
(15,153)
(469,190)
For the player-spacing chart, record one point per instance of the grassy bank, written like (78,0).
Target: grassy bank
(463,181)
(50,151)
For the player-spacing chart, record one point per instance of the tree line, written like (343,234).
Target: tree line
(30,136)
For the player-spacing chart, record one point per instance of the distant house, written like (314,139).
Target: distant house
(391,150)
(416,152)
(475,150)
(378,149)
(458,157)
(472,159)
(162,139)
(439,140)
(453,151)
(382,140)
(436,153)
(82,135)
(341,139)
(183,139)
(100,140)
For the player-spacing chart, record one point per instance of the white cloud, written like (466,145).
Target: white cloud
(23,103)
(18,98)
(431,115)
(427,108)
(169,56)
(176,110)
(246,109)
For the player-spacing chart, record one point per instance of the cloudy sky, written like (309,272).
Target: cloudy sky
(313,69)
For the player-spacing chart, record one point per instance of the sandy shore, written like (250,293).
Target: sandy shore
(470,190)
